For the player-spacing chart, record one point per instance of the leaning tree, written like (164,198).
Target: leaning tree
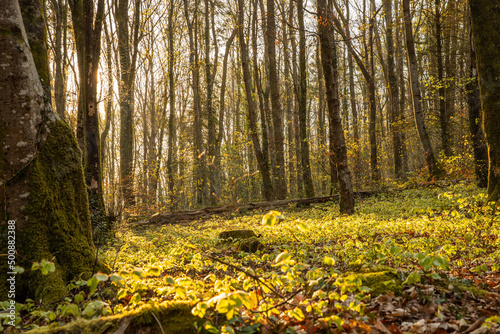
(41,175)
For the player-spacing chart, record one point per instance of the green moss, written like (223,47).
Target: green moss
(472,289)
(250,245)
(174,317)
(58,226)
(376,280)
(228,236)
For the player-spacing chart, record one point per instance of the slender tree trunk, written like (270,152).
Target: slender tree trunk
(220,134)
(321,120)
(476,120)
(370,84)
(354,109)
(296,126)
(375,169)
(304,141)
(199,153)
(394,93)
(126,92)
(329,58)
(263,101)
(60,10)
(443,114)
(252,116)
(210,74)
(415,92)
(485,17)
(172,135)
(401,84)
(288,84)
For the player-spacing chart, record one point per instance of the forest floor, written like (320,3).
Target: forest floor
(417,261)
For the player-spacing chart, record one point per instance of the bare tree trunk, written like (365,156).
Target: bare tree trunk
(60,10)
(416,96)
(370,83)
(127,76)
(443,113)
(296,126)
(304,141)
(252,116)
(220,134)
(329,58)
(292,183)
(375,169)
(476,120)
(172,135)
(199,152)
(394,93)
(352,92)
(263,101)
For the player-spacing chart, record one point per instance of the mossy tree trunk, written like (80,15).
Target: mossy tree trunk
(41,174)
(329,59)
(485,18)
(34,23)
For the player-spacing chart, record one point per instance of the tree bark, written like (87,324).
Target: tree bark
(128,58)
(199,157)
(329,58)
(44,193)
(485,17)
(476,120)
(60,10)
(393,93)
(252,116)
(172,133)
(443,113)
(304,140)
(416,95)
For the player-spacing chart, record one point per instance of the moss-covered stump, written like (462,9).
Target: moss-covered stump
(250,245)
(245,240)
(168,318)
(234,235)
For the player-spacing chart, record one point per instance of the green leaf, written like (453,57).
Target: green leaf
(271,217)
(153,271)
(329,261)
(302,226)
(92,283)
(121,294)
(79,298)
(169,280)
(414,277)
(136,298)
(101,277)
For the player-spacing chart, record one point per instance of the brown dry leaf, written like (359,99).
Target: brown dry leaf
(394,329)
(381,327)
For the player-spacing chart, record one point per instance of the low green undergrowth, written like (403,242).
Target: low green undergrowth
(316,271)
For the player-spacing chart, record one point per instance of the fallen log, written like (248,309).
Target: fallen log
(176,217)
